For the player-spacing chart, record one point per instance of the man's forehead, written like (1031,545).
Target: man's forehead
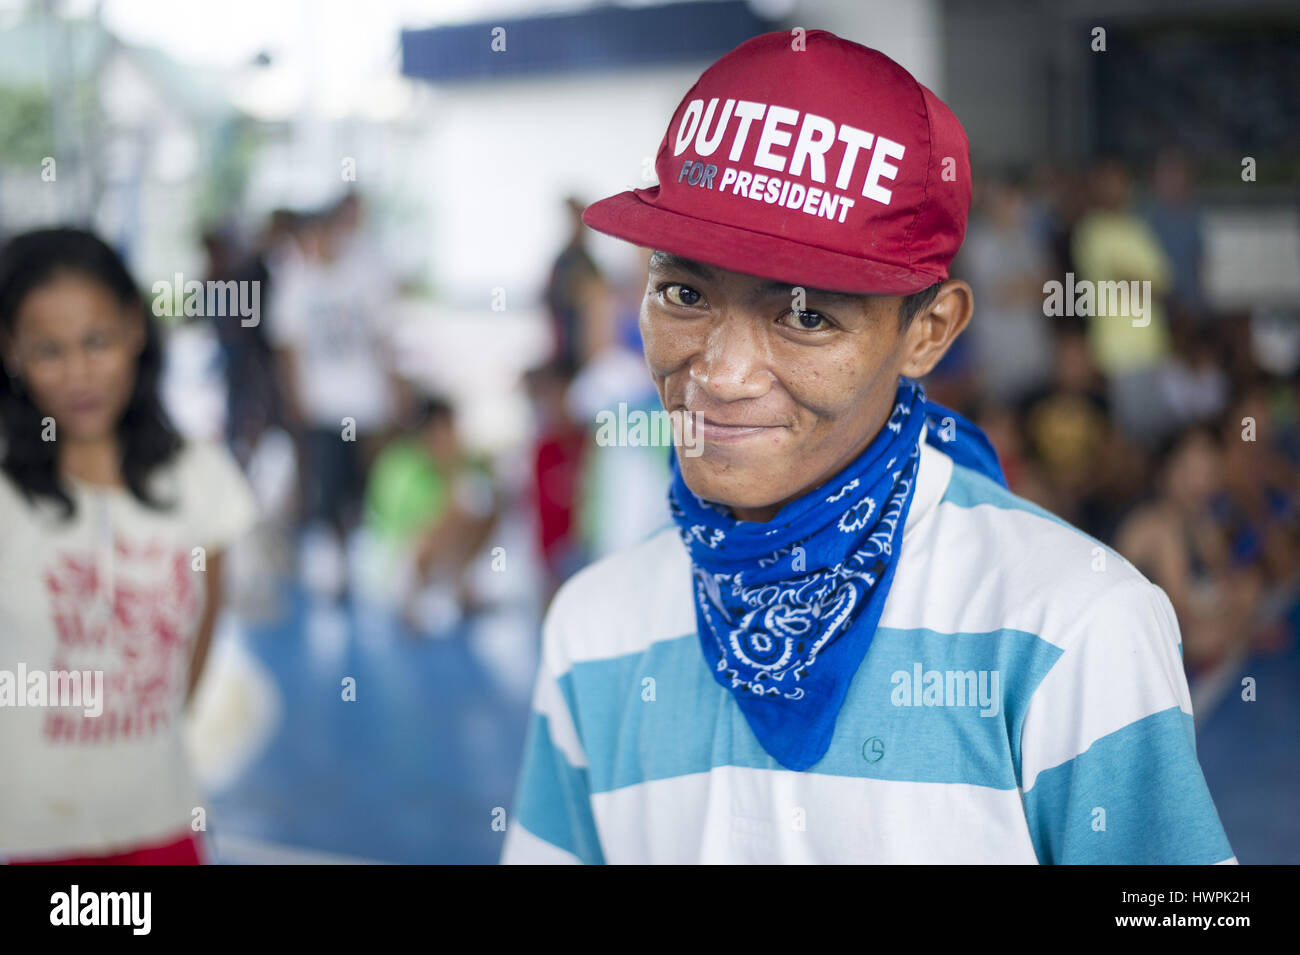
(665,261)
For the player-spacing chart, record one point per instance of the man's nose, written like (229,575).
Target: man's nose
(734,361)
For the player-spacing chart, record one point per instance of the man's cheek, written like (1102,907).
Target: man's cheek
(665,350)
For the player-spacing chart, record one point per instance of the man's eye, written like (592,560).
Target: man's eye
(808,321)
(681,294)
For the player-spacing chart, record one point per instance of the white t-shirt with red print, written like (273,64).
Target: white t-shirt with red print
(116,589)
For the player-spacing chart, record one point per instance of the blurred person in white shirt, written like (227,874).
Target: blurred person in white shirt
(330,314)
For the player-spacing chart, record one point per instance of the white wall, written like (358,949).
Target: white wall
(909,32)
(501,156)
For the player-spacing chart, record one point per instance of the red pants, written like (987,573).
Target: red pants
(185,850)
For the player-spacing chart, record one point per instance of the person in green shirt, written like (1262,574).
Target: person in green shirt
(430,507)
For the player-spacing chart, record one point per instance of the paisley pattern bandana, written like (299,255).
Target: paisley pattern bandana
(787,609)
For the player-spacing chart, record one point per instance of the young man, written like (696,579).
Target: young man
(854,644)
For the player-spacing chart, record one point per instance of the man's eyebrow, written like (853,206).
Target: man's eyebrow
(666,260)
(786,289)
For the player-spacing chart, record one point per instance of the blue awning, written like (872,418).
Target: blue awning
(598,39)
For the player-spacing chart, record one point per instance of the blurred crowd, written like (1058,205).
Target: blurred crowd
(367,487)
(1166,429)
(335,440)
(1171,434)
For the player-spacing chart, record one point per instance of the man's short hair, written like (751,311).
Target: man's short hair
(913,304)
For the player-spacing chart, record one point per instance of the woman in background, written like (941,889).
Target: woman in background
(110,566)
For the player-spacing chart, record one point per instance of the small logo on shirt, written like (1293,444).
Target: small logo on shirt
(922,687)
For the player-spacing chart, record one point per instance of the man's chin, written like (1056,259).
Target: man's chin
(731,481)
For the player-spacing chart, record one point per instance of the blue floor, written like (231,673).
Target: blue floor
(412,771)
(1250,753)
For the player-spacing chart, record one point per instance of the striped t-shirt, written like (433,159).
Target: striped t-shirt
(1023,701)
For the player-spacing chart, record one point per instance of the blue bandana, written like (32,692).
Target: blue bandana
(787,609)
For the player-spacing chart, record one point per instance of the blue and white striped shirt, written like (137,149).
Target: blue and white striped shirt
(1023,701)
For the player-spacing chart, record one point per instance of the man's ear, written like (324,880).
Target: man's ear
(934,329)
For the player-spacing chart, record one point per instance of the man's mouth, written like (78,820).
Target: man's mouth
(723,432)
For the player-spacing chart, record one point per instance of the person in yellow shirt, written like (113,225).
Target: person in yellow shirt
(1128,334)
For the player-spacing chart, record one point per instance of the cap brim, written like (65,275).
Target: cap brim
(626,216)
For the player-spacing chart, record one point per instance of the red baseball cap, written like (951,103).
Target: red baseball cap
(808,159)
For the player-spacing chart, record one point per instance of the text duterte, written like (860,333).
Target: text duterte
(816,137)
